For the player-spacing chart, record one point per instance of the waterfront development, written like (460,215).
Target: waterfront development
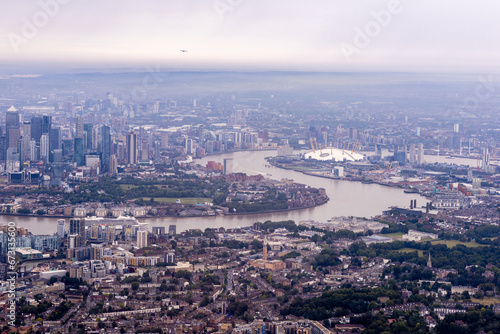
(346,199)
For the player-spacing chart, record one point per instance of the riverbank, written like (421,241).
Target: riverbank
(355,180)
(174,216)
(275,211)
(351,180)
(408,190)
(346,199)
(34,215)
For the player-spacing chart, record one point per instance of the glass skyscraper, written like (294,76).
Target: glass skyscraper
(78,152)
(55,142)
(87,127)
(36,128)
(105,148)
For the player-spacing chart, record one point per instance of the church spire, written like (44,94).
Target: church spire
(429,261)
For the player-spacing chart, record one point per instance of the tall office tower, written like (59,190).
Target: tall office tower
(60,228)
(4,145)
(144,150)
(420,156)
(156,107)
(33,155)
(353,133)
(157,150)
(55,142)
(27,129)
(228,166)
(164,140)
(36,128)
(87,127)
(486,159)
(456,127)
(12,118)
(25,142)
(79,127)
(412,157)
(56,155)
(96,132)
(189,146)
(113,164)
(78,152)
(85,140)
(12,129)
(142,133)
(12,160)
(55,139)
(46,124)
(105,148)
(142,238)
(44,147)
(14,135)
(417,131)
(121,151)
(172,229)
(77,227)
(132,148)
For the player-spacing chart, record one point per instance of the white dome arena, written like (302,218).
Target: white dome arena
(334,154)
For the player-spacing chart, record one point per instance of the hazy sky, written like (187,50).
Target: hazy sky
(330,35)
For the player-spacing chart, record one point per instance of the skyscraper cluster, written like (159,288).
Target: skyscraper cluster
(29,139)
(26,141)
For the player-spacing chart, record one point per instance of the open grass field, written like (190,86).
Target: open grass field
(127,186)
(186,200)
(453,243)
(486,300)
(302,169)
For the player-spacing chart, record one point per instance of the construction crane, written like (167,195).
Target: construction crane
(390,166)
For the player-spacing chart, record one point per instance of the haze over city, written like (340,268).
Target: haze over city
(390,35)
(249,167)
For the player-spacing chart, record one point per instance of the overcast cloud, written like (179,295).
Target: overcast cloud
(419,35)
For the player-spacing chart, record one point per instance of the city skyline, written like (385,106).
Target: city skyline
(240,167)
(241,35)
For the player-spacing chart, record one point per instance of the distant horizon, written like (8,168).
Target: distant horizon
(107,69)
(220,35)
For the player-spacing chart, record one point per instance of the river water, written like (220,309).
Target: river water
(346,199)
